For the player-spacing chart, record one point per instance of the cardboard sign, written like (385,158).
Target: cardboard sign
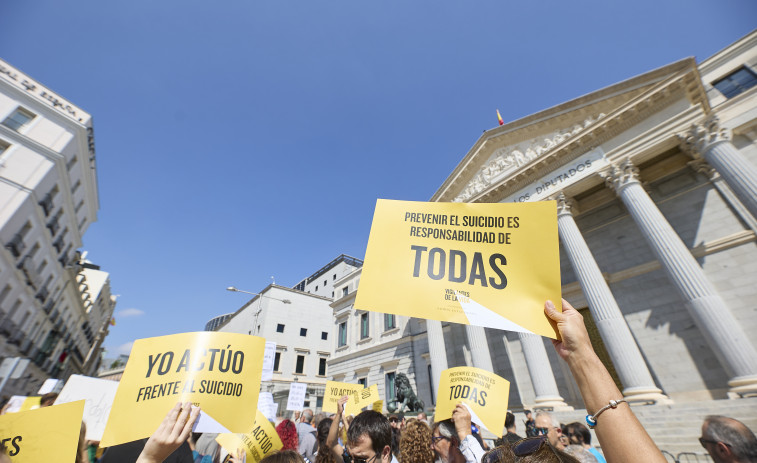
(365,397)
(268,360)
(218,371)
(267,406)
(378,406)
(45,434)
(296,400)
(484,264)
(262,440)
(98,395)
(485,394)
(334,391)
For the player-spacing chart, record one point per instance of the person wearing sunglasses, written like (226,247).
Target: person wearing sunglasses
(530,449)
(728,440)
(369,437)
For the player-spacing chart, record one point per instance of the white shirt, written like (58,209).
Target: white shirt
(471,449)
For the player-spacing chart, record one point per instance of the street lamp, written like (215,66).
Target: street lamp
(260,303)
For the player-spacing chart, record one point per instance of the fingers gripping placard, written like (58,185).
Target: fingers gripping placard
(45,434)
(485,393)
(220,372)
(262,440)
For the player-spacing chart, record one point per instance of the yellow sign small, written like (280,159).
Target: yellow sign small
(365,397)
(30,403)
(44,434)
(378,406)
(262,440)
(484,264)
(485,393)
(336,390)
(219,372)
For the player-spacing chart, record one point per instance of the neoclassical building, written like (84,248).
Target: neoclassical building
(655,179)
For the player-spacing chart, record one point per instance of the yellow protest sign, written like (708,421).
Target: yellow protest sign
(220,372)
(485,264)
(365,397)
(485,393)
(334,391)
(262,440)
(44,434)
(378,406)
(30,403)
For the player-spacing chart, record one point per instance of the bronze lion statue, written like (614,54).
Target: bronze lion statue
(405,397)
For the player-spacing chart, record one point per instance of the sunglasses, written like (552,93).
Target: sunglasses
(435,439)
(364,460)
(522,448)
(540,432)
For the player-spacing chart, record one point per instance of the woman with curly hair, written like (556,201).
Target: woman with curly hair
(415,443)
(287,432)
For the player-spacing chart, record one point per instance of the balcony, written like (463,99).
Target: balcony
(47,204)
(16,245)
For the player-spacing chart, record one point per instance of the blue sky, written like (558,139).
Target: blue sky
(238,140)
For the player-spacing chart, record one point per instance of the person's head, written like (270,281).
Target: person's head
(317,419)
(369,438)
(48,399)
(325,455)
(444,439)
(531,450)
(578,433)
(546,424)
(728,440)
(283,456)
(307,416)
(415,444)
(287,432)
(528,414)
(394,421)
(510,422)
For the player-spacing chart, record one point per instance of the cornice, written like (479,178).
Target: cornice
(720,58)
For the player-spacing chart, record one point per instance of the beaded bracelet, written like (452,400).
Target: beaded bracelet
(591,420)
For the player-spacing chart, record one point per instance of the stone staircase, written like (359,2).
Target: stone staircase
(676,427)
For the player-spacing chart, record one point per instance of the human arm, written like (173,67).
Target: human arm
(332,441)
(620,433)
(469,446)
(172,432)
(238,457)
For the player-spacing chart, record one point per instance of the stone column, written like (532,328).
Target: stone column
(719,328)
(638,384)
(479,348)
(542,378)
(713,143)
(436,350)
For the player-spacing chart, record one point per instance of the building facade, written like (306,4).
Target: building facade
(51,312)
(655,180)
(321,283)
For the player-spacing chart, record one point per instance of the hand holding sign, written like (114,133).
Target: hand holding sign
(172,432)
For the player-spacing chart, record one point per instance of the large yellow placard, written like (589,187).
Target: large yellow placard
(335,390)
(220,372)
(482,264)
(485,393)
(262,440)
(44,434)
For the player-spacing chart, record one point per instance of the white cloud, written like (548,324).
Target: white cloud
(125,349)
(130,313)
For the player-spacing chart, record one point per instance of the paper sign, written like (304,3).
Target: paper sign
(297,392)
(98,395)
(50,385)
(267,406)
(30,403)
(45,434)
(268,357)
(485,264)
(218,371)
(378,406)
(485,394)
(262,440)
(334,391)
(365,397)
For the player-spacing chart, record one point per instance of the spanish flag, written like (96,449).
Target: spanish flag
(499,118)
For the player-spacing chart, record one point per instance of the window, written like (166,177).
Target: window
(300,367)
(325,282)
(322,367)
(3,146)
(18,118)
(303,331)
(332,294)
(342,334)
(740,80)
(345,291)
(364,327)
(279,328)
(389,383)
(334,277)
(324,335)
(363,381)
(316,288)
(276,361)
(389,321)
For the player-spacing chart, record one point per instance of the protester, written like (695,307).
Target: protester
(547,425)
(207,444)
(621,435)
(47,399)
(396,435)
(452,439)
(287,432)
(306,435)
(172,432)
(415,443)
(579,434)
(529,450)
(283,456)
(529,424)
(423,417)
(326,453)
(728,440)
(369,438)
(510,437)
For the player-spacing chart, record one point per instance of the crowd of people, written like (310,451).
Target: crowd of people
(371,437)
